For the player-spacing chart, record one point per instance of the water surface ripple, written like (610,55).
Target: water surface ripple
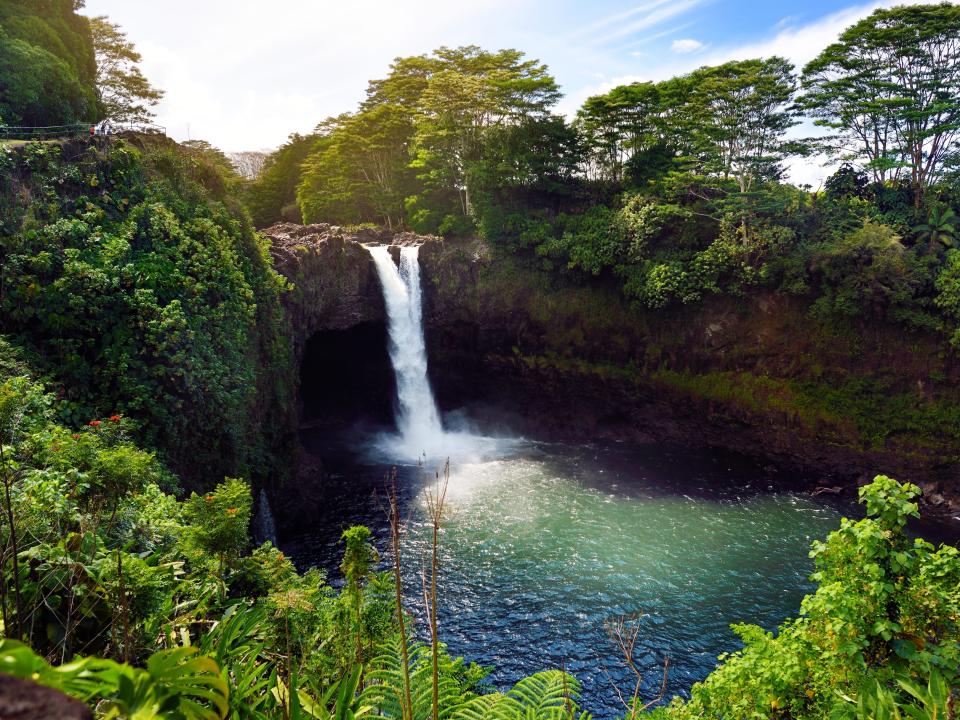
(540,550)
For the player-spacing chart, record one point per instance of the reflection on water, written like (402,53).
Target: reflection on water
(541,548)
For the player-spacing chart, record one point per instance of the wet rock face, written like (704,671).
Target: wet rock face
(336,324)
(335,286)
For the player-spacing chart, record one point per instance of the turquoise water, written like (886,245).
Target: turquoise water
(541,549)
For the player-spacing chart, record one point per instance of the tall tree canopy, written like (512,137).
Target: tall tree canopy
(415,145)
(729,120)
(736,116)
(468,92)
(890,87)
(618,125)
(46,64)
(123,93)
(273,195)
(359,168)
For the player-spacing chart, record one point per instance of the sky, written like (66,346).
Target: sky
(245,74)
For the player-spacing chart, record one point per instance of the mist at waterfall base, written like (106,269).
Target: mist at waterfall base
(543,544)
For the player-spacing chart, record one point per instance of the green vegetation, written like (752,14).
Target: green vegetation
(141,286)
(61,68)
(123,94)
(670,191)
(99,560)
(47,64)
(145,360)
(882,623)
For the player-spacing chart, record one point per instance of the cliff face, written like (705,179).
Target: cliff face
(334,284)
(576,363)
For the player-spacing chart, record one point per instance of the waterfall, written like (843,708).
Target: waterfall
(264,527)
(418,420)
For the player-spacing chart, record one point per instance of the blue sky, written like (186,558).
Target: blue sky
(244,74)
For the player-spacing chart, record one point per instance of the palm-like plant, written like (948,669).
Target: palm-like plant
(938,230)
(236,643)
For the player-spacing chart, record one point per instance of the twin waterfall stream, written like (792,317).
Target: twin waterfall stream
(418,420)
(420,433)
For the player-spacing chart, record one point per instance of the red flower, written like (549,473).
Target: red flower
(94,423)
(231,511)
(76,436)
(208,498)
(114,418)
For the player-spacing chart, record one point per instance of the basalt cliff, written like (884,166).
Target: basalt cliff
(830,405)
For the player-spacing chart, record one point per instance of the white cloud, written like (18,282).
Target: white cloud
(654,17)
(618,17)
(647,39)
(686,45)
(244,74)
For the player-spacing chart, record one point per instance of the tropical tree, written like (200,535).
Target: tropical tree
(359,170)
(939,229)
(273,195)
(620,125)
(37,88)
(220,520)
(890,87)
(123,93)
(736,116)
(470,91)
(415,149)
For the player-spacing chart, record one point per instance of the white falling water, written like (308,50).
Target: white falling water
(420,432)
(418,420)
(263,524)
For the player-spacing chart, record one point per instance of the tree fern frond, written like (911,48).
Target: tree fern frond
(384,691)
(545,691)
(494,706)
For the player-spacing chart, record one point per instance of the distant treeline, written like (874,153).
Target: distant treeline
(672,189)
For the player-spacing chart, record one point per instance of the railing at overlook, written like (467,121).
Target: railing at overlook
(74,130)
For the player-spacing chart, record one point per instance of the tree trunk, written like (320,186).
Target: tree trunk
(13,544)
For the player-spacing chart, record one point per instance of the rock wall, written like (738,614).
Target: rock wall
(576,363)
(334,284)
(834,405)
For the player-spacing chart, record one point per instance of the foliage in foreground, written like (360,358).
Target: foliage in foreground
(98,560)
(883,625)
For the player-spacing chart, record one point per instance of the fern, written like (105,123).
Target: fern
(549,695)
(385,683)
